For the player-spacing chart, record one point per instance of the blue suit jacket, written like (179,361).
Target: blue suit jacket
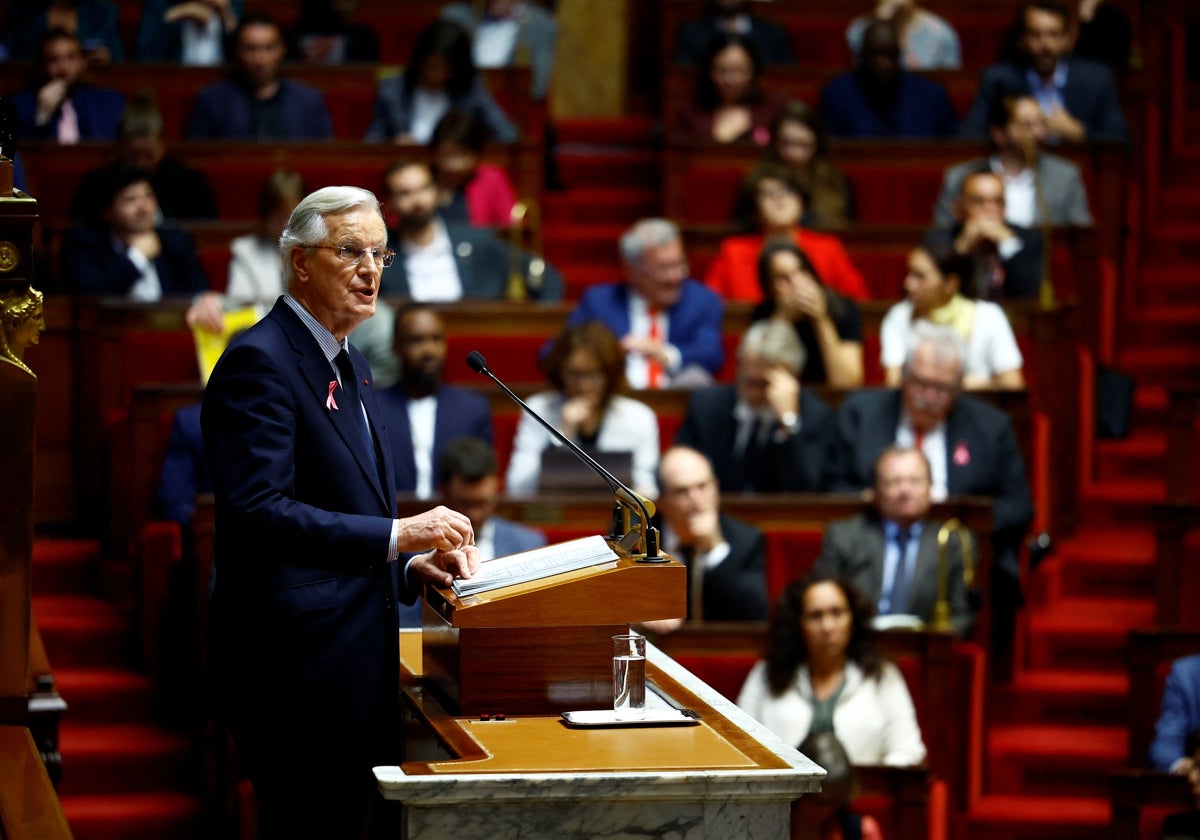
(222,112)
(97,109)
(92,267)
(1179,715)
(183,473)
(922,109)
(460,413)
(304,601)
(695,321)
(1090,96)
(511,538)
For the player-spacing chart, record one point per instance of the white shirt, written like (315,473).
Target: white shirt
(991,347)
(495,41)
(934,447)
(202,43)
(1020,195)
(428,107)
(255,270)
(432,271)
(422,414)
(637,369)
(148,287)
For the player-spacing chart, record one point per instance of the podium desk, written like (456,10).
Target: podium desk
(533,777)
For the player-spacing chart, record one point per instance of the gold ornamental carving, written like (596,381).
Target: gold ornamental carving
(22,320)
(10,257)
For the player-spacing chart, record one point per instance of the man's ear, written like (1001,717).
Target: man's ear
(299,258)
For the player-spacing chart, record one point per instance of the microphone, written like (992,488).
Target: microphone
(626,499)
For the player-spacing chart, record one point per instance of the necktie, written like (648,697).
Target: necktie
(899,600)
(68,123)
(654,368)
(354,402)
(743,470)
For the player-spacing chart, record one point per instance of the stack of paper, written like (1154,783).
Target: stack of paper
(538,563)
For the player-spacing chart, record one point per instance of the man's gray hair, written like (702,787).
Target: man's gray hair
(306,226)
(648,233)
(946,344)
(774,342)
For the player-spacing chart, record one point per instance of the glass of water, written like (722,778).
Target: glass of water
(629,676)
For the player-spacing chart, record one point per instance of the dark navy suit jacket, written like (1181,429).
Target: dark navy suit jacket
(222,112)
(736,590)
(922,108)
(1179,715)
(459,413)
(97,109)
(91,266)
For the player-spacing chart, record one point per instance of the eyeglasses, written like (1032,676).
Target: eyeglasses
(355,255)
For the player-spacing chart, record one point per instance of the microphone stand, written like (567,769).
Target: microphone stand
(639,541)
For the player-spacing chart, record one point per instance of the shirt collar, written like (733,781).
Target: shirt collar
(330,346)
(1058,79)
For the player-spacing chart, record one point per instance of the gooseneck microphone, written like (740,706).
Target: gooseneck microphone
(624,496)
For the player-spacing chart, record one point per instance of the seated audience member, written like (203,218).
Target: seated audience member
(890,553)
(93,23)
(1078,97)
(823,670)
(183,192)
(800,144)
(325,33)
(1006,259)
(469,482)
(767,433)
(183,474)
(440,262)
(58,105)
(469,191)
(1185,825)
(440,75)
(927,42)
(730,105)
(1033,179)
(257,101)
(725,557)
(1178,718)
(668,323)
(879,98)
(502,30)
(255,270)
(933,294)
(779,202)
(1105,35)
(185,31)
(722,17)
(130,256)
(423,413)
(586,368)
(828,325)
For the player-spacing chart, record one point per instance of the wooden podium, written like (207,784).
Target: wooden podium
(542,647)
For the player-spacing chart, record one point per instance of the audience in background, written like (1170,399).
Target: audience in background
(725,557)
(325,33)
(440,262)
(730,105)
(586,368)
(183,193)
(1078,97)
(927,42)
(890,552)
(1006,259)
(130,256)
(933,294)
(879,98)
(93,23)
(440,75)
(726,17)
(779,200)
(469,482)
(767,432)
(669,324)
(469,190)
(505,32)
(189,32)
(1178,719)
(828,325)
(1038,187)
(422,412)
(257,101)
(58,105)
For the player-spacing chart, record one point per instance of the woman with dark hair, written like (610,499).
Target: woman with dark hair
(823,670)
(469,191)
(933,292)
(440,75)
(586,367)
(828,325)
(730,105)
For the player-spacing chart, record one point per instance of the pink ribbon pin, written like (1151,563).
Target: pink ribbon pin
(961,456)
(330,402)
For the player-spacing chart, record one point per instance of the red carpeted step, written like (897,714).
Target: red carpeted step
(1098,563)
(1084,633)
(63,566)
(127,758)
(567,245)
(135,817)
(1049,760)
(1114,504)
(1160,364)
(606,168)
(1039,818)
(1162,323)
(1063,697)
(1142,455)
(81,631)
(601,205)
(623,131)
(105,695)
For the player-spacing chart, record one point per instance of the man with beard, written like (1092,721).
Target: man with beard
(1078,97)
(256,102)
(879,98)
(421,413)
(440,262)
(58,106)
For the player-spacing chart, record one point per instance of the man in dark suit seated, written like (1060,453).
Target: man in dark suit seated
(767,433)
(879,98)
(130,256)
(1079,97)
(440,262)
(891,552)
(256,101)
(771,40)
(725,557)
(1007,258)
(58,106)
(421,413)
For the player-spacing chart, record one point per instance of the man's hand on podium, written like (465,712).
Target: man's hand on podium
(442,567)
